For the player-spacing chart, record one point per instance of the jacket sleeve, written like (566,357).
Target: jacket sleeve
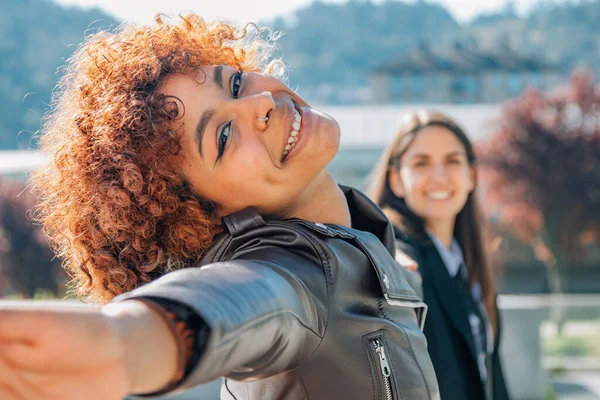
(266,312)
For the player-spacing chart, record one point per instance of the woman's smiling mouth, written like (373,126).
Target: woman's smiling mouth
(294,135)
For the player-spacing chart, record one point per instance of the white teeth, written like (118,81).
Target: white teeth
(293,138)
(438,195)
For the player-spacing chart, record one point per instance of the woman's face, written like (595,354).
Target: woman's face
(234,159)
(434,176)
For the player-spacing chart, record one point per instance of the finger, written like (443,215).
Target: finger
(28,320)
(20,325)
(21,356)
(7,393)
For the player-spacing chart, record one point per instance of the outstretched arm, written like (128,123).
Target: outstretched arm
(57,351)
(262,319)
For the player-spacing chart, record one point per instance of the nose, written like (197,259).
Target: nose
(256,109)
(439,172)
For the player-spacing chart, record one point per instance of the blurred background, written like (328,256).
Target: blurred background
(520,77)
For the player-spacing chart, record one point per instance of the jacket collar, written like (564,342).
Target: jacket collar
(367,216)
(453,257)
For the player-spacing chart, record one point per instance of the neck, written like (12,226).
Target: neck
(323,201)
(443,229)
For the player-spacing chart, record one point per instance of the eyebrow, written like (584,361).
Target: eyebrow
(453,154)
(201,127)
(209,113)
(457,153)
(218,76)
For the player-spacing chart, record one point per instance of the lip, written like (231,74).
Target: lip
(303,133)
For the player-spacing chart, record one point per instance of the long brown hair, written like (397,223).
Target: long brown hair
(468,228)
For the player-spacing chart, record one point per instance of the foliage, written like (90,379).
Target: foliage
(27,266)
(335,45)
(542,169)
(566,35)
(330,48)
(572,346)
(36,37)
(541,175)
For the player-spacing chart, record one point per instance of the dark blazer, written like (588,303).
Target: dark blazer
(450,341)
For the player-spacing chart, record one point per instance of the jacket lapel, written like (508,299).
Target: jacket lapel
(449,297)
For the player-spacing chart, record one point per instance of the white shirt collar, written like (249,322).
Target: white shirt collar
(452,257)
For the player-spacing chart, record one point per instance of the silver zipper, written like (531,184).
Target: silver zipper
(385,368)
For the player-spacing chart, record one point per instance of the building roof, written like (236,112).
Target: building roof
(462,59)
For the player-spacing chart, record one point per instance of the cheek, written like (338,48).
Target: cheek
(463,179)
(245,177)
(412,181)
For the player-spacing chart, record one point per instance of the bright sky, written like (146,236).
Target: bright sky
(242,11)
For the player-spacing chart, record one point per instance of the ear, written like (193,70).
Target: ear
(396,182)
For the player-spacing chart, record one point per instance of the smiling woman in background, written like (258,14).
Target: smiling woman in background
(426,183)
(188,185)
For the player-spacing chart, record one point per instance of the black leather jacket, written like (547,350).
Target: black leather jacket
(302,310)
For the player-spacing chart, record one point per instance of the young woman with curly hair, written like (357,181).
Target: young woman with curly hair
(426,182)
(187,187)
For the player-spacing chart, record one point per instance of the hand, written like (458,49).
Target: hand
(412,274)
(52,351)
(406,262)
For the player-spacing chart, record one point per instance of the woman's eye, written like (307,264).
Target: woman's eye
(236,83)
(222,139)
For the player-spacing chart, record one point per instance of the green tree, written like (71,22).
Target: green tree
(36,37)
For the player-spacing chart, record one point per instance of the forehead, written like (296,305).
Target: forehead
(435,139)
(182,83)
(192,93)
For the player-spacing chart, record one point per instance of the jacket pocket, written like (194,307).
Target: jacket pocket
(381,370)
(394,286)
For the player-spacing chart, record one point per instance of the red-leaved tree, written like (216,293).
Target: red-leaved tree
(541,172)
(26,261)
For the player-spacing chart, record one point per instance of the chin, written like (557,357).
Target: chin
(439,217)
(333,136)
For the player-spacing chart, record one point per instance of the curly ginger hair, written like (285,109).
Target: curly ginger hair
(110,203)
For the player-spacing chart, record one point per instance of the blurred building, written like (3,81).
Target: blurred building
(461,74)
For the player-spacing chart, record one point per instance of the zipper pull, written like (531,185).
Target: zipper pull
(385,366)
